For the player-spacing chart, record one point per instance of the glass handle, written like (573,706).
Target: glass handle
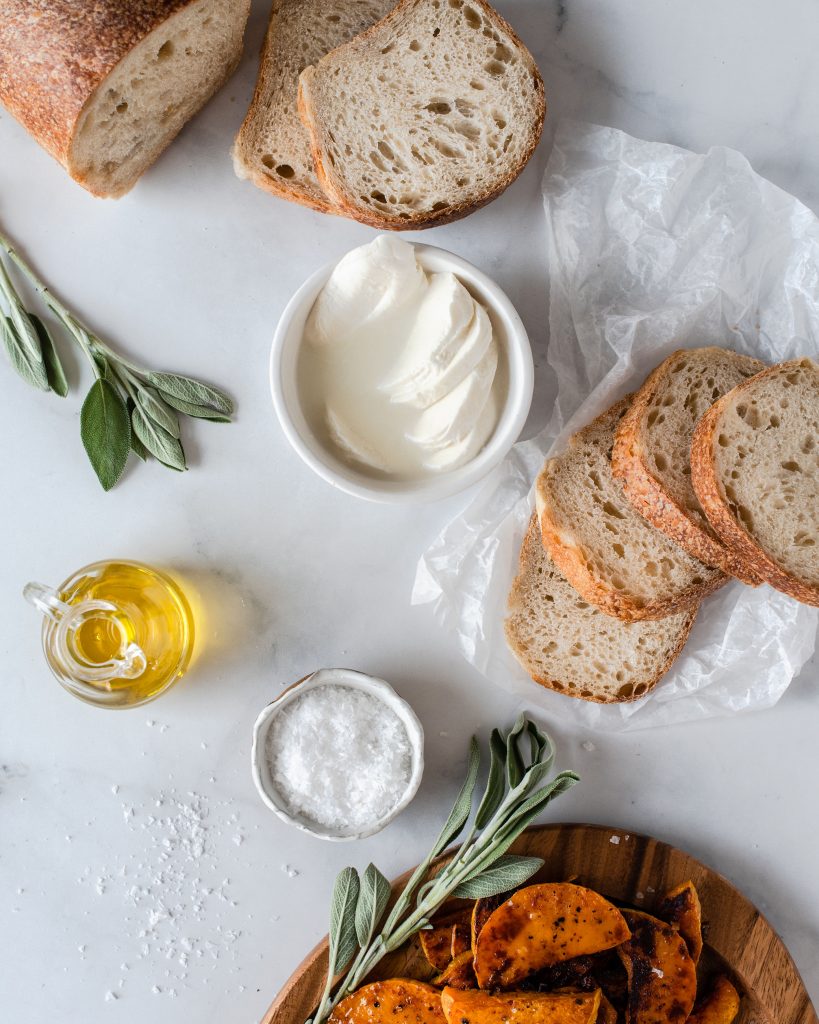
(45,600)
(131,663)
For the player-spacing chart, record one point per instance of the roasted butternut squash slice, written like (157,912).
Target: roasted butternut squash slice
(475,1007)
(606,1014)
(459,973)
(542,925)
(385,1002)
(681,906)
(482,910)
(461,938)
(662,977)
(720,1006)
(437,942)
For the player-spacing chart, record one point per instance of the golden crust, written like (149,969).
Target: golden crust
(648,497)
(337,195)
(54,54)
(709,491)
(572,563)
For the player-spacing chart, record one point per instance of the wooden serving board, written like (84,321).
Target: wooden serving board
(634,870)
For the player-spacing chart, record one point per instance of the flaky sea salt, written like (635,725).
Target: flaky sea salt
(339,757)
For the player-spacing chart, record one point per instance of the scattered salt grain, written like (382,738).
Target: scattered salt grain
(588,745)
(339,757)
(615,840)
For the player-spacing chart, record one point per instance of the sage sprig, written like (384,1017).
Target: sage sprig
(515,794)
(129,408)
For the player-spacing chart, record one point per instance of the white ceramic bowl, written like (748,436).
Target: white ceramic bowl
(335,677)
(516,351)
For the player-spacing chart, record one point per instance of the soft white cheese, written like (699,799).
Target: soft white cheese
(399,370)
(368,285)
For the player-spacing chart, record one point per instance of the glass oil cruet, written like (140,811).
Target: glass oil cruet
(116,634)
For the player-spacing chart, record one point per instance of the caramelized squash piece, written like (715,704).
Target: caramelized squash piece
(482,910)
(385,1002)
(720,1006)
(681,906)
(461,938)
(543,925)
(437,942)
(459,973)
(606,1014)
(523,1007)
(662,977)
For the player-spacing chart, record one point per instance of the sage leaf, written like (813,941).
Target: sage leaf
(32,373)
(202,412)
(193,391)
(162,445)
(137,447)
(463,803)
(342,919)
(506,873)
(105,431)
(51,359)
(514,762)
(154,407)
(495,783)
(372,902)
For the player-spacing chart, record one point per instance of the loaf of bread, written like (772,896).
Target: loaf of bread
(272,148)
(425,117)
(569,645)
(608,552)
(105,85)
(755,469)
(652,451)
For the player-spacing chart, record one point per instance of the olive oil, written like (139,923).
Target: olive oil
(116,634)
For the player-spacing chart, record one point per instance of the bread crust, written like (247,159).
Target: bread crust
(294,192)
(556,685)
(572,563)
(54,54)
(711,495)
(652,501)
(458,211)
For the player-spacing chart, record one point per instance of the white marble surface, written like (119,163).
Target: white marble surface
(191,271)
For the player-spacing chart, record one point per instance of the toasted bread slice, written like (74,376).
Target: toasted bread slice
(652,450)
(425,117)
(608,552)
(569,645)
(272,148)
(755,470)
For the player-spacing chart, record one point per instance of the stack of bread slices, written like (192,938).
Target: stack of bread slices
(404,122)
(709,471)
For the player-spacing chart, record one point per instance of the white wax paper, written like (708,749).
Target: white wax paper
(651,248)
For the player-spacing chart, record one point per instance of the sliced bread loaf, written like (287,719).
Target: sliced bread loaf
(424,117)
(608,552)
(755,469)
(569,645)
(272,148)
(652,450)
(104,86)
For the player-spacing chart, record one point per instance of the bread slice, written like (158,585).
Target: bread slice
(424,117)
(105,86)
(755,469)
(567,644)
(652,450)
(272,148)
(608,552)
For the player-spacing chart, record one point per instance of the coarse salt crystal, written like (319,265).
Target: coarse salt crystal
(339,756)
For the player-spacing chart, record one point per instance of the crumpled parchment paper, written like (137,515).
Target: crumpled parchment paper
(651,248)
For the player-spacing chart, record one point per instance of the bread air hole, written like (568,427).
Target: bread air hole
(472,18)
(612,510)
(165,51)
(494,68)
(804,540)
(415,46)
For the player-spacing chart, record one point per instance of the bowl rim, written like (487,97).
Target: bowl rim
(338,677)
(515,410)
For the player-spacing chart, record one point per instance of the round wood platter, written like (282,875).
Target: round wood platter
(634,870)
